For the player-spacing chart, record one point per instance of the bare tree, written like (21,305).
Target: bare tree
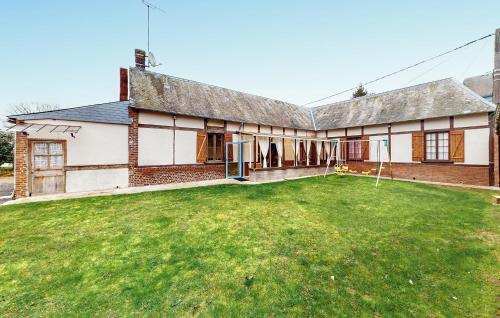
(33,107)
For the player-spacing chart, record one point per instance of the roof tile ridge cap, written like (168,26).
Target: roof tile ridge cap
(69,108)
(472,93)
(217,86)
(383,93)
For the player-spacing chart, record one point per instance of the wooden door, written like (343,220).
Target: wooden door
(47,167)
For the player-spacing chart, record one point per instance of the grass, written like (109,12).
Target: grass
(334,247)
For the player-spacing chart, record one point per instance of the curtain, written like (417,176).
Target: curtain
(296,149)
(279,148)
(264,148)
(328,145)
(319,147)
(308,149)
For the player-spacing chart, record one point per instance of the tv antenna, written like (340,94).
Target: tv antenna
(151,58)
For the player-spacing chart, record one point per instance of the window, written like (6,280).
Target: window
(47,155)
(354,147)
(215,144)
(437,146)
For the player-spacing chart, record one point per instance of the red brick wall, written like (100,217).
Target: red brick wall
(133,139)
(21,165)
(449,173)
(141,176)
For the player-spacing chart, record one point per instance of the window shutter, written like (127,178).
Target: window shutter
(343,148)
(201,147)
(457,145)
(418,146)
(365,148)
(228,137)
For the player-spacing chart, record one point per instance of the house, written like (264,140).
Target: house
(166,129)
(176,130)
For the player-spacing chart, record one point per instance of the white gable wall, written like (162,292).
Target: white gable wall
(94,144)
(471,120)
(401,148)
(155,146)
(190,122)
(185,147)
(92,180)
(377,129)
(437,123)
(149,118)
(476,146)
(405,126)
(377,145)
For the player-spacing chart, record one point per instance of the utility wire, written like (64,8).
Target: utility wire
(404,69)
(427,71)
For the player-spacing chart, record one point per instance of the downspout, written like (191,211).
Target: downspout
(496,101)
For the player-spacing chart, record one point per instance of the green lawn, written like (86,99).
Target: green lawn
(334,247)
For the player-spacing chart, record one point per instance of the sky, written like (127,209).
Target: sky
(68,53)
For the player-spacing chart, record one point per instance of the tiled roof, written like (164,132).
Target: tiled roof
(174,95)
(429,100)
(169,94)
(482,84)
(112,113)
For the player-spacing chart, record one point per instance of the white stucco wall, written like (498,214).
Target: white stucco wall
(155,146)
(377,129)
(355,131)
(374,147)
(265,129)
(277,130)
(471,120)
(301,133)
(321,134)
(289,131)
(94,144)
(405,126)
(91,180)
(232,126)
(476,146)
(185,147)
(401,148)
(190,122)
(336,133)
(250,128)
(437,123)
(160,119)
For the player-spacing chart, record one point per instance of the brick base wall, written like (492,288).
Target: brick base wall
(141,176)
(449,173)
(21,165)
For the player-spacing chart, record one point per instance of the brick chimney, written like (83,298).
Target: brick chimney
(123,84)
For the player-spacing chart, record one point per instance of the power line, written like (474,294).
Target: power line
(403,69)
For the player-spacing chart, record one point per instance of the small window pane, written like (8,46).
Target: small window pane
(56,162)
(56,149)
(41,149)
(40,162)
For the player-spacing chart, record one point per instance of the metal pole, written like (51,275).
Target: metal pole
(148,34)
